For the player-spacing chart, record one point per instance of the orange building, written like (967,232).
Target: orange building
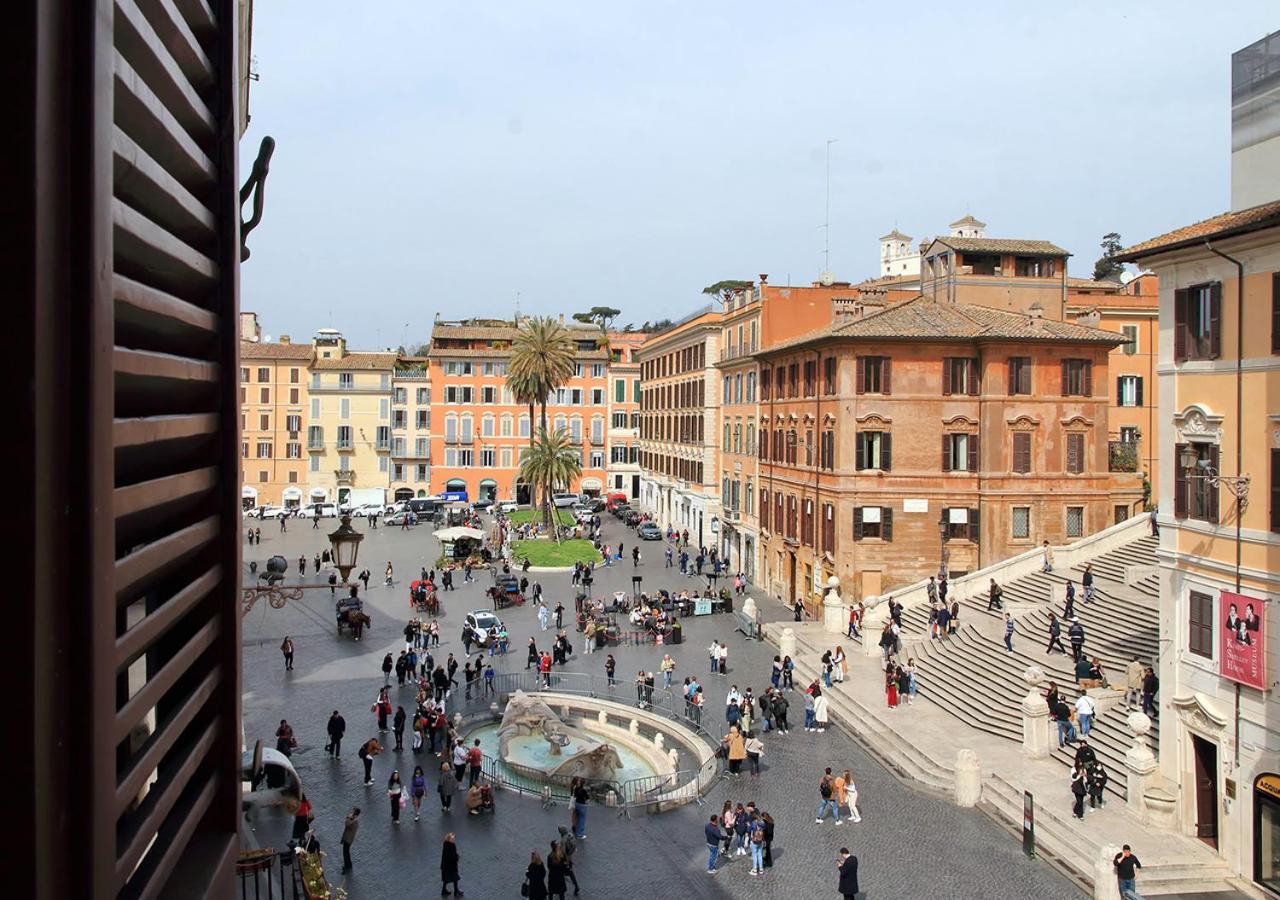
(928,432)
(624,413)
(478,430)
(273,404)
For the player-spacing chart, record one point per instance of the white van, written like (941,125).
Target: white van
(564,501)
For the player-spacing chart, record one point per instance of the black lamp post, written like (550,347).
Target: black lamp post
(345,542)
(943,527)
(635,586)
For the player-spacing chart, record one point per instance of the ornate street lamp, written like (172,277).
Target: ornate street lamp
(1238,485)
(345,543)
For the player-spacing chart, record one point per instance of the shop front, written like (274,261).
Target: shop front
(1266,831)
(291,497)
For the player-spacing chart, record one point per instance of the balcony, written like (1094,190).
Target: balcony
(345,446)
(411,375)
(382,446)
(459,439)
(732,514)
(315,444)
(1122,456)
(411,453)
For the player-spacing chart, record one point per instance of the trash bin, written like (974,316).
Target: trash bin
(728,603)
(676,636)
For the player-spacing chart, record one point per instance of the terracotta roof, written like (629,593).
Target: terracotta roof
(503,353)
(357,360)
(922,319)
(887,280)
(264,350)
(1089,284)
(476,332)
(1001,245)
(895,235)
(1266,215)
(968,220)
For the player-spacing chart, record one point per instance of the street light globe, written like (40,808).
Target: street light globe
(345,542)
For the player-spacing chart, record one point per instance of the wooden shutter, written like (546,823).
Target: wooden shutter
(946,452)
(1120,391)
(973,453)
(1200,624)
(860,451)
(1087,377)
(1215,320)
(1021,452)
(1275,490)
(857,523)
(975,377)
(123,195)
(1212,491)
(975,527)
(946,375)
(1066,378)
(1138,391)
(1180,483)
(1013,375)
(862,375)
(886,451)
(886,523)
(886,375)
(1181,305)
(1275,312)
(764,510)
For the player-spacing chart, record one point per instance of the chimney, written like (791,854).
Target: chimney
(764,278)
(1035,315)
(1090,318)
(284,338)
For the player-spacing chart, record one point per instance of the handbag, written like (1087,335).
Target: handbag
(524,888)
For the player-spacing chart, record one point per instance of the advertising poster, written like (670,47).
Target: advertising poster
(1242,652)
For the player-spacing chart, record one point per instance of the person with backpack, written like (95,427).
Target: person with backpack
(756,840)
(1076,635)
(826,790)
(568,847)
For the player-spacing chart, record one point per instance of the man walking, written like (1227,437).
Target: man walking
(1086,582)
(1133,683)
(1150,685)
(1076,634)
(1008,632)
(337,727)
(1085,710)
(826,789)
(712,832)
(1055,636)
(1127,867)
(349,830)
(847,864)
(1046,565)
(994,595)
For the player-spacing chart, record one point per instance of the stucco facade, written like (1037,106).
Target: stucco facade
(273,420)
(410,429)
(624,413)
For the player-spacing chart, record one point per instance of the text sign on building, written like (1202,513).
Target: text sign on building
(958,515)
(911,505)
(1242,651)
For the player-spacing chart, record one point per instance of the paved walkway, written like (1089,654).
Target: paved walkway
(911,844)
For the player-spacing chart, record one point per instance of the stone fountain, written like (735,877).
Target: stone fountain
(533,737)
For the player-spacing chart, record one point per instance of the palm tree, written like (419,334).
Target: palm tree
(552,461)
(542,353)
(525,390)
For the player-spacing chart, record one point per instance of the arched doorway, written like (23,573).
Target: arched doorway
(524,493)
(403,494)
(292,497)
(592,487)
(248,497)
(488,489)
(456,486)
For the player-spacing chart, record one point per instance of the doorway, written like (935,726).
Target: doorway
(1206,782)
(635,486)
(524,493)
(792,596)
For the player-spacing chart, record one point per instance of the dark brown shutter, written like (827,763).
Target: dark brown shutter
(975,377)
(946,452)
(862,375)
(1024,380)
(1013,375)
(886,375)
(1275,490)
(1212,491)
(946,375)
(1215,320)
(1120,391)
(886,523)
(857,523)
(1087,376)
(1066,378)
(886,451)
(860,455)
(1180,483)
(975,527)
(1138,391)
(1275,312)
(1181,304)
(973,453)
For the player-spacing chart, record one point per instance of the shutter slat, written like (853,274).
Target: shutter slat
(887,376)
(158,311)
(1181,303)
(946,375)
(862,375)
(158,429)
(886,523)
(159,683)
(158,492)
(1215,320)
(1180,483)
(198,15)
(975,377)
(144,184)
(169,263)
(151,562)
(182,44)
(139,44)
(144,118)
(131,644)
(886,451)
(164,366)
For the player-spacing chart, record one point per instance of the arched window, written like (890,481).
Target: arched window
(486,426)
(450,428)
(506,426)
(467,427)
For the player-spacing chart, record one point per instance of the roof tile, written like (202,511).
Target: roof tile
(1256,217)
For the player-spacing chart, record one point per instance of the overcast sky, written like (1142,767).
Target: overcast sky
(443,157)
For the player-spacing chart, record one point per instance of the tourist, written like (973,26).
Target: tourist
(788,669)
(543,615)
(387,575)
(610,664)
(820,713)
(285,741)
(349,828)
(397,728)
(775,676)
(713,654)
(1126,864)
(1085,710)
(568,846)
(808,708)
(667,667)
(847,795)
(742,826)
(395,793)
(712,832)
(1085,755)
(755,749)
(1079,787)
(826,668)
(1064,715)
(1076,635)
(1150,685)
(855,620)
(953,623)
(767,825)
(449,866)
(475,759)
(995,595)
(1008,632)
(826,790)
(581,797)
(1046,565)
(489,676)
(697,703)
(544,667)
(459,757)
(286,648)
(1133,683)
(756,841)
(535,879)
(1055,636)
(779,705)
(1086,583)
(382,706)
(847,863)
(1097,784)
(932,590)
(559,610)
(907,680)
(387,667)
(336,727)
(635,557)
(417,790)
(447,786)
(890,690)
(534,656)
(557,869)
(368,750)
(302,818)
(736,749)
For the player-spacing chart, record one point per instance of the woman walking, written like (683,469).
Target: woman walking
(449,866)
(447,787)
(766,824)
(535,878)
(755,748)
(417,790)
(557,868)
(737,749)
(820,712)
(286,648)
(397,727)
(1079,787)
(387,578)
(395,793)
(891,685)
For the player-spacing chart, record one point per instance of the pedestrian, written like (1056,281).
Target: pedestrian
(302,819)
(581,797)
(788,670)
(847,795)
(557,870)
(388,574)
(489,676)
(669,557)
(542,615)
(1133,683)
(449,867)
(285,741)
(1076,635)
(735,746)
(755,749)
(316,559)
(1097,784)
(349,828)
(1008,632)
(610,664)
(1069,607)
(826,790)
(535,879)
(778,706)
(1079,787)
(1055,636)
(368,750)
(459,757)
(1154,516)
(336,727)
(286,648)
(712,832)
(559,615)
(847,864)
(387,666)
(533,656)
(1085,710)
(1086,583)
(382,706)
(417,790)
(447,787)
(397,728)
(890,688)
(820,713)
(302,566)
(723,657)
(1126,864)
(475,760)
(1046,564)
(395,793)
(994,595)
(568,847)
(1150,685)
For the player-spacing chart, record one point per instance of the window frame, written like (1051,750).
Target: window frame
(1200,627)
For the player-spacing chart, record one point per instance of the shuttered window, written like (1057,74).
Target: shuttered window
(1275,490)
(1077,378)
(1019,375)
(1200,624)
(1021,452)
(829,528)
(1075,453)
(874,375)
(1197,322)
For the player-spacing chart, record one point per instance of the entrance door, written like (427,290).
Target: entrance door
(635,486)
(1206,775)
(791,579)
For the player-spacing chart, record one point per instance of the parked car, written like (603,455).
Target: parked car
(508,506)
(273,512)
(392,508)
(595,504)
(318,510)
(582,514)
(482,504)
(564,501)
(477,624)
(621,510)
(276,783)
(400,517)
(649,532)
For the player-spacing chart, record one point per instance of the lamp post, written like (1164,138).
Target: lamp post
(1238,485)
(943,526)
(344,543)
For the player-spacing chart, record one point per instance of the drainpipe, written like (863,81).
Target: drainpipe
(1239,431)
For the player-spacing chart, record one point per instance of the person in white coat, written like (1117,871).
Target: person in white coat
(820,712)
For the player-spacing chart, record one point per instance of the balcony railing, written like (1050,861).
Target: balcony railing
(315,443)
(412,374)
(459,438)
(1122,456)
(345,445)
(382,446)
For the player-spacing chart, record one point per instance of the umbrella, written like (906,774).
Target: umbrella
(453,534)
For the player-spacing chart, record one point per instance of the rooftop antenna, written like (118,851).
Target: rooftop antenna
(826,225)
(517,307)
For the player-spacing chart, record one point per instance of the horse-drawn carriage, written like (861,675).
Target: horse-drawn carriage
(350,614)
(424,598)
(505,592)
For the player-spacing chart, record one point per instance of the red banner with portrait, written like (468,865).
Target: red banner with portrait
(1243,646)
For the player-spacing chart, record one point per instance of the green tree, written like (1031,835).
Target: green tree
(553,461)
(1106,268)
(600,315)
(541,361)
(726,290)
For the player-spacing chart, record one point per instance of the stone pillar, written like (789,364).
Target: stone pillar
(968,790)
(1036,742)
(872,626)
(787,643)
(1105,884)
(751,612)
(834,615)
(1140,765)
